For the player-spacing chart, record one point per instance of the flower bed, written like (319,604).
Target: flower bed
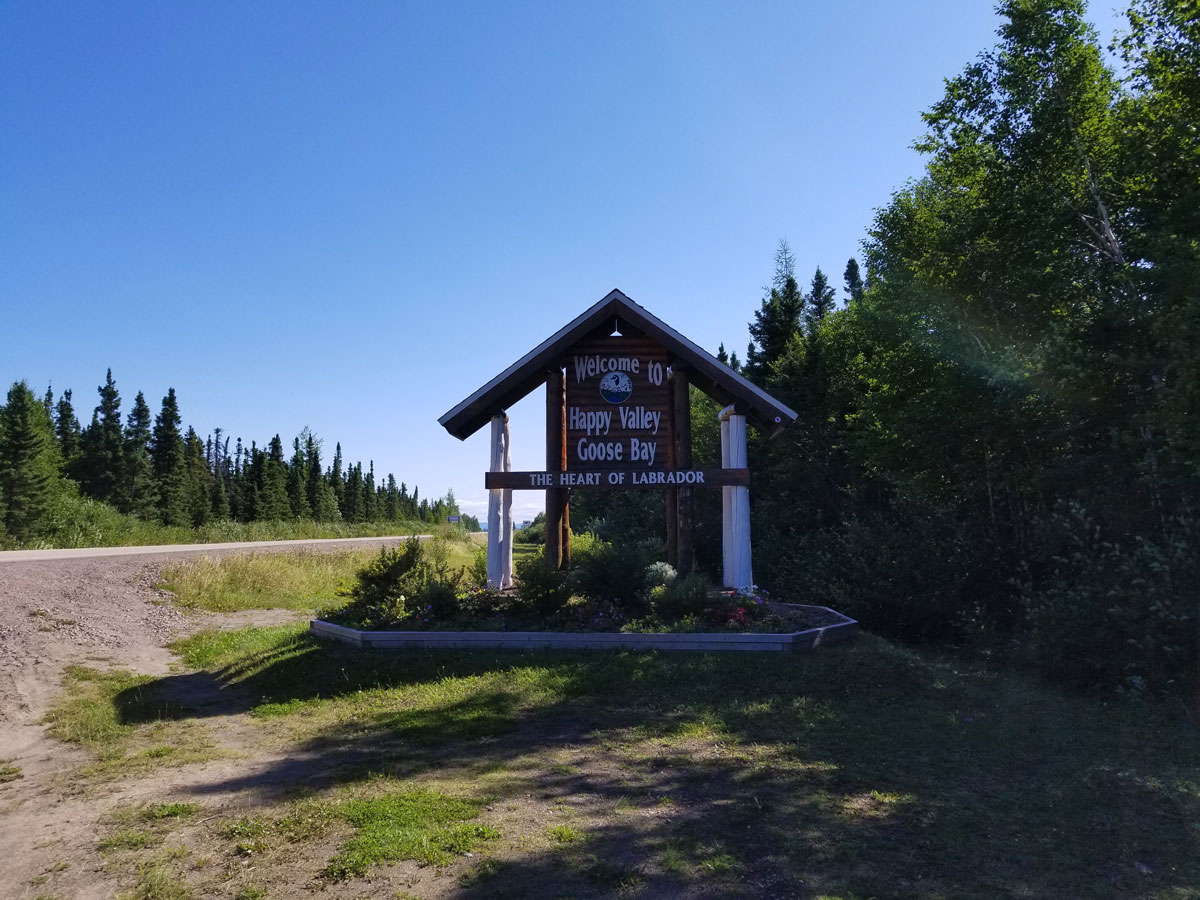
(833,628)
(611,597)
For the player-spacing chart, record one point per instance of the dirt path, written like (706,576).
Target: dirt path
(102,611)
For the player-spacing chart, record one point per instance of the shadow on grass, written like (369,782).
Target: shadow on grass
(861,771)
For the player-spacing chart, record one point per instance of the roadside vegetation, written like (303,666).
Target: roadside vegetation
(304,581)
(127,723)
(142,482)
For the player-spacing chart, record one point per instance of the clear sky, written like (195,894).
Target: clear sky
(351,215)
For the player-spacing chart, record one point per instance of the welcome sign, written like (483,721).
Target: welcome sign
(617,405)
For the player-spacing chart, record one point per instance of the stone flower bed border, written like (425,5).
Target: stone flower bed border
(791,642)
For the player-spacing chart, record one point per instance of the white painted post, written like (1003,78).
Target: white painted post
(506,519)
(736,502)
(500,529)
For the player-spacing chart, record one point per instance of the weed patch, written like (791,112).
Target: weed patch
(129,839)
(124,721)
(302,581)
(157,883)
(422,825)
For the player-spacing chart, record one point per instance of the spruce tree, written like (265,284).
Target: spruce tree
(67,433)
(854,282)
(315,478)
(199,479)
(273,503)
(391,506)
(352,501)
(169,465)
(819,300)
(137,488)
(219,499)
(778,318)
(370,499)
(106,447)
(28,463)
(236,486)
(326,509)
(296,482)
(785,265)
(336,480)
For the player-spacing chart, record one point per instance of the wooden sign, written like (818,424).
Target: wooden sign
(615,479)
(617,405)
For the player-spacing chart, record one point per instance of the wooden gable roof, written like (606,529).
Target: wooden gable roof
(719,381)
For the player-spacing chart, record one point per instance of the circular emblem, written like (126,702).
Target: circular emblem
(615,387)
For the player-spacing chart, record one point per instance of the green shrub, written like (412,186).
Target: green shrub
(482,602)
(540,587)
(686,596)
(382,589)
(436,601)
(477,573)
(1109,615)
(610,571)
(658,574)
(910,580)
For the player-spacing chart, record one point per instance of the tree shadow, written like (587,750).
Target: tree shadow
(865,771)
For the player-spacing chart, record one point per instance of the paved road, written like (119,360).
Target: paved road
(86,552)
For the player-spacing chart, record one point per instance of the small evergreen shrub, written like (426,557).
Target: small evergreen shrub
(477,573)
(380,596)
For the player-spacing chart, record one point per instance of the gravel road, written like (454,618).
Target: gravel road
(100,608)
(60,606)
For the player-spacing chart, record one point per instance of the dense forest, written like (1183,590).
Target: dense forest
(148,468)
(998,445)
(999,433)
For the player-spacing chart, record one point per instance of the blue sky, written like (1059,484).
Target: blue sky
(349,216)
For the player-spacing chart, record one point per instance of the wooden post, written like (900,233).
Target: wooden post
(555,451)
(682,444)
(500,526)
(726,504)
(565,532)
(735,503)
(672,493)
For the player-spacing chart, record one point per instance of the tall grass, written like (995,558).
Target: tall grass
(75,521)
(302,581)
(306,581)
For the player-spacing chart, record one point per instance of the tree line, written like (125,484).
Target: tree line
(999,433)
(150,468)
(998,441)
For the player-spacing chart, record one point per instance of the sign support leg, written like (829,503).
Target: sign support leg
(672,463)
(500,526)
(735,504)
(557,549)
(682,443)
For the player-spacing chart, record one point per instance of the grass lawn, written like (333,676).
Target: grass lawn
(860,771)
